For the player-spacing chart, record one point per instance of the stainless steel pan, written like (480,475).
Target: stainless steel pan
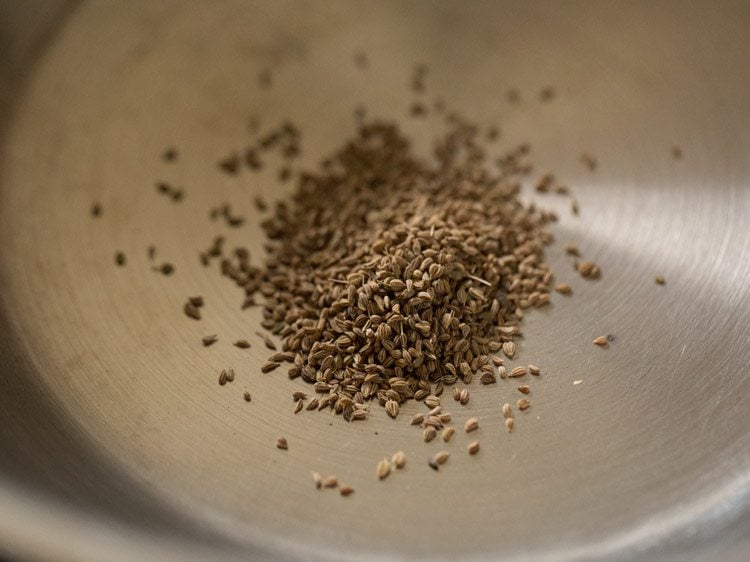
(116,443)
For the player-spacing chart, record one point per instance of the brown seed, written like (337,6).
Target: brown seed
(441,457)
(269,366)
(223,377)
(391,407)
(533,369)
(429,434)
(571,249)
(464,396)
(317,479)
(471,425)
(298,406)
(383,469)
(589,270)
(448,433)
(209,340)
(330,482)
(563,288)
(473,447)
(517,372)
(547,94)
(196,301)
(192,311)
(432,401)
(524,388)
(269,343)
(660,280)
(456,394)
(120,259)
(312,404)
(247,396)
(600,341)
(433,464)
(399,459)
(346,490)
(417,419)
(282,444)
(509,349)
(509,424)
(502,371)
(230,375)
(298,395)
(242,344)
(506,410)
(96,210)
(523,404)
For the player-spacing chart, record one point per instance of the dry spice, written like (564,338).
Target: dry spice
(246,395)
(588,270)
(298,406)
(282,444)
(509,424)
(209,340)
(441,457)
(391,407)
(563,288)
(120,258)
(506,410)
(96,210)
(448,433)
(317,479)
(517,372)
(524,389)
(269,366)
(242,344)
(346,490)
(533,369)
(589,161)
(330,482)
(601,341)
(383,469)
(471,425)
(509,349)
(523,404)
(192,311)
(399,459)
(473,447)
(660,280)
(429,434)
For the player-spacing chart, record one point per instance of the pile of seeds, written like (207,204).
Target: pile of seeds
(389,277)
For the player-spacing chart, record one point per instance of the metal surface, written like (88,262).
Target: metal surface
(117,443)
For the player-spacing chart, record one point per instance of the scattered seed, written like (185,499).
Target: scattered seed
(196,301)
(223,377)
(417,419)
(391,407)
(660,280)
(563,288)
(473,447)
(209,340)
(317,479)
(192,311)
(433,464)
(441,457)
(242,344)
(576,382)
(464,397)
(120,259)
(589,270)
(346,490)
(429,434)
(456,393)
(524,388)
(282,444)
(600,341)
(533,369)
(471,424)
(518,372)
(509,349)
(298,406)
(509,424)
(399,459)
(269,366)
(169,154)
(383,469)
(506,410)
(571,249)
(247,396)
(523,404)
(330,482)
(432,401)
(448,432)
(96,210)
